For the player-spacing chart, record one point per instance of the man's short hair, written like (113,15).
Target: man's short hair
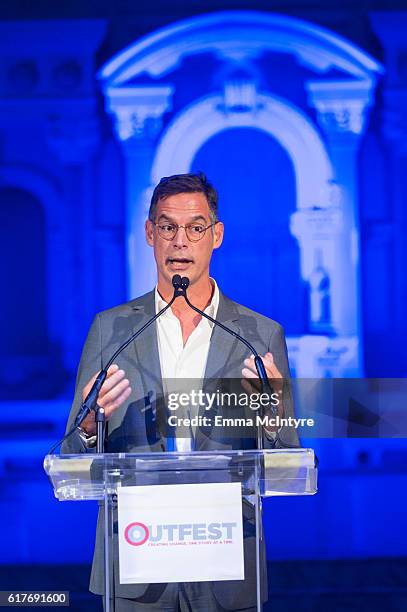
(185,183)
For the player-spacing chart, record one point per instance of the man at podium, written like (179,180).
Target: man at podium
(183,229)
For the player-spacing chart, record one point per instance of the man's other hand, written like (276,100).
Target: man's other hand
(273,374)
(251,382)
(113,393)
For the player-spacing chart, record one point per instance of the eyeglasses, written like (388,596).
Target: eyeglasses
(194,231)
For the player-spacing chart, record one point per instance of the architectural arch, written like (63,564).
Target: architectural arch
(46,193)
(321,134)
(237,35)
(199,122)
(23,247)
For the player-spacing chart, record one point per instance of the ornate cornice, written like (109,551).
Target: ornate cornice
(341,105)
(138,110)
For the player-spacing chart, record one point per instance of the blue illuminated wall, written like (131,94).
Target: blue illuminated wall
(300,127)
(303,133)
(275,109)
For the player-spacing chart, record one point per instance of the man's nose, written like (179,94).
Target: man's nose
(180,239)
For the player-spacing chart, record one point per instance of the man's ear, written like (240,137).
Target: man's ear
(149,232)
(218,232)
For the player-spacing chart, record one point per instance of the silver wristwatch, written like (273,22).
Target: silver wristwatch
(88,440)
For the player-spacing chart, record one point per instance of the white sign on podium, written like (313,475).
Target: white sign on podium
(180,533)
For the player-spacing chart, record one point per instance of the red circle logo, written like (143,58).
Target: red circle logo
(136,534)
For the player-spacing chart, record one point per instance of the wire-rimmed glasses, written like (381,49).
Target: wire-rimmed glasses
(194,231)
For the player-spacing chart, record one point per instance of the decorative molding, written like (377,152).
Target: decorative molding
(290,126)
(138,111)
(316,224)
(341,105)
(240,96)
(236,36)
(317,229)
(320,356)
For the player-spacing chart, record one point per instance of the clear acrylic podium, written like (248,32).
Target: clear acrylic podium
(261,474)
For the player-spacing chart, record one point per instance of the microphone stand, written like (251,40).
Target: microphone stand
(261,370)
(90,402)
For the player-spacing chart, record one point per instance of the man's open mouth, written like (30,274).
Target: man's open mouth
(178,260)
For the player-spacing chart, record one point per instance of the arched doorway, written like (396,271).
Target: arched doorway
(23,327)
(256,197)
(23,324)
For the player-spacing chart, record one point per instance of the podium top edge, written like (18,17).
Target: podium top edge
(175,454)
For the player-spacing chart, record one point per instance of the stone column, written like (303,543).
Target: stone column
(341,113)
(317,231)
(73,137)
(138,115)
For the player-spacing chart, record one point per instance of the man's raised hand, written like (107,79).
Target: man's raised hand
(113,393)
(251,382)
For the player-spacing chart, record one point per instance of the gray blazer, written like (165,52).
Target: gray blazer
(136,426)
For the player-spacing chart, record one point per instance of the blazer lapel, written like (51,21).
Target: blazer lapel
(148,364)
(146,345)
(223,345)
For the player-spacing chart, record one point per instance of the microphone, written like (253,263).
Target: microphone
(90,402)
(183,284)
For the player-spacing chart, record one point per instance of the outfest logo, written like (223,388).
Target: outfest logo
(179,534)
(136,534)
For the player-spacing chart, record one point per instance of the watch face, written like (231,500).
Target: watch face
(88,440)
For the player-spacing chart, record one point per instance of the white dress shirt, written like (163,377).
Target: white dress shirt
(183,362)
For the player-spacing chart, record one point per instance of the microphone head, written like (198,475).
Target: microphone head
(180,285)
(185,282)
(176,281)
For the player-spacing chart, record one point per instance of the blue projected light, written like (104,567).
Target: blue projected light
(282,115)
(309,272)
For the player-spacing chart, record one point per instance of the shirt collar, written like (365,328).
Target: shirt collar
(211,309)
